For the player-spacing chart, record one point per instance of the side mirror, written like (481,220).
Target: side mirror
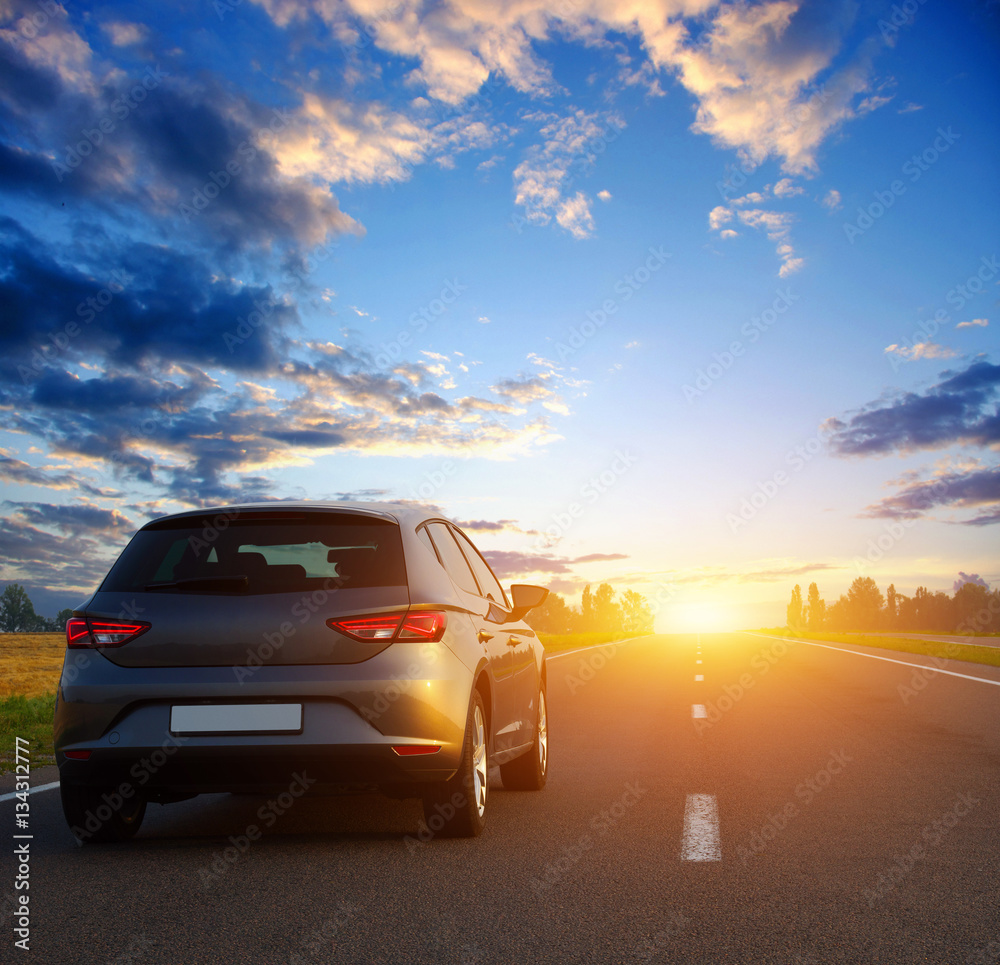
(525,597)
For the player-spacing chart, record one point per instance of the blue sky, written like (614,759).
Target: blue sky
(694,298)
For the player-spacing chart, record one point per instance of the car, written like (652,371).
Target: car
(274,646)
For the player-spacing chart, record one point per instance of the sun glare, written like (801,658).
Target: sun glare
(704,617)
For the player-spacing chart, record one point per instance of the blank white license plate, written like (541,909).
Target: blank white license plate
(236,719)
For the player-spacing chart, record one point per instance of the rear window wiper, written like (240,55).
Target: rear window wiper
(202,583)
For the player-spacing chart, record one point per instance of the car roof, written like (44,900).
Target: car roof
(411,514)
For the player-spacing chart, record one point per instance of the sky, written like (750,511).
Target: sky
(692,298)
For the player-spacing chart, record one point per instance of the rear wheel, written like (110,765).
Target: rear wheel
(529,771)
(99,815)
(457,808)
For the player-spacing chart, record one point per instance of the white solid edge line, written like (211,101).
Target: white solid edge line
(875,656)
(701,829)
(31,790)
(698,710)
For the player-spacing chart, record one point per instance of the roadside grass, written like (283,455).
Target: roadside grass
(969,653)
(554,642)
(30,718)
(30,664)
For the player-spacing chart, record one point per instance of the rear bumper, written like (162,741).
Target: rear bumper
(352,716)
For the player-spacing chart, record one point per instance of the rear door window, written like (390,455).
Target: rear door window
(491,587)
(452,558)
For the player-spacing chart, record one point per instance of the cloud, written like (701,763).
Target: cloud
(962,408)
(507,564)
(921,350)
(124,34)
(975,488)
(909,108)
(976,322)
(718,216)
(728,233)
(543,180)
(785,188)
(604,195)
(975,579)
(777,225)
(831,200)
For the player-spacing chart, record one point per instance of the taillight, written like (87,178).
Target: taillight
(416,625)
(81,632)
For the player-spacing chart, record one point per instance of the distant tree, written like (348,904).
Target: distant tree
(865,603)
(587,608)
(636,614)
(554,616)
(61,617)
(607,612)
(17,613)
(890,607)
(838,615)
(816,612)
(972,607)
(793,612)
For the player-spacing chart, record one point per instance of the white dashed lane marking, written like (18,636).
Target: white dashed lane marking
(699,676)
(701,829)
(698,710)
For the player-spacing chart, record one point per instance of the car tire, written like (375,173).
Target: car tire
(457,807)
(529,771)
(83,806)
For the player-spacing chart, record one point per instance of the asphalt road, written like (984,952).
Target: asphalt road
(839,809)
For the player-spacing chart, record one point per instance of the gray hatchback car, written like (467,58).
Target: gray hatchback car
(343,644)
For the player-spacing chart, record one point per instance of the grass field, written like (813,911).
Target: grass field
(930,648)
(571,641)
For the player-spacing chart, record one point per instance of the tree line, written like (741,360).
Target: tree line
(598,611)
(17,613)
(972,608)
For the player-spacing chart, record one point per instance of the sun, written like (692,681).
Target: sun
(699,617)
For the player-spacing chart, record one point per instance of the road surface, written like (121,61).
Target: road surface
(801,803)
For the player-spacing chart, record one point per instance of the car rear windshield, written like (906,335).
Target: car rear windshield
(243,552)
